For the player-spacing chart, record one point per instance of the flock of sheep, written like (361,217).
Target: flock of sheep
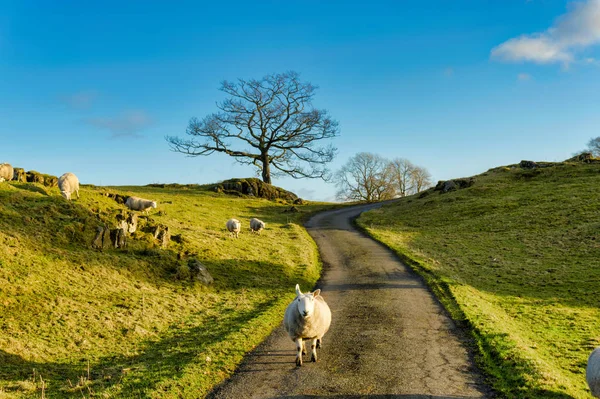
(307,317)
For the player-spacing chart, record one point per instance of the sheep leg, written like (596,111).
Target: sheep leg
(319,342)
(77,191)
(299,346)
(313,350)
(303,348)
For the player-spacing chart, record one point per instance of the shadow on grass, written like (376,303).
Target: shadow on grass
(160,360)
(32,188)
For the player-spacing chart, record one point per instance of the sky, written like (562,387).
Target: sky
(457,87)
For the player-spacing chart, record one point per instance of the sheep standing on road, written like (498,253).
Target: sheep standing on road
(307,317)
(234,226)
(592,373)
(68,184)
(6,172)
(256,225)
(139,204)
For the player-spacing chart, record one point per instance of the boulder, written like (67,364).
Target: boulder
(102,239)
(199,272)
(20,175)
(118,237)
(35,177)
(450,185)
(528,164)
(255,188)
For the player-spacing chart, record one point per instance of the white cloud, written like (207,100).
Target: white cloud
(577,29)
(128,124)
(523,77)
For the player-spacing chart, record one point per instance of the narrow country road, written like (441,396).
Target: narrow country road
(389,337)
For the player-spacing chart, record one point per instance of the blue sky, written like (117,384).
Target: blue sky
(457,87)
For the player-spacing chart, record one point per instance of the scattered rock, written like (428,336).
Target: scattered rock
(35,177)
(118,237)
(161,233)
(450,185)
(20,175)
(292,209)
(299,201)
(102,239)
(528,164)
(120,199)
(199,272)
(586,157)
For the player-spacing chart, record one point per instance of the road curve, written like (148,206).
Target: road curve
(389,337)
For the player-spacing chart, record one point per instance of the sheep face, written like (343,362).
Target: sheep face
(66,195)
(306,302)
(154,204)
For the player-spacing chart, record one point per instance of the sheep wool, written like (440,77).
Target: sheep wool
(592,372)
(68,184)
(6,172)
(234,226)
(140,204)
(256,225)
(307,317)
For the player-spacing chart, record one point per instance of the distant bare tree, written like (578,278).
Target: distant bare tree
(593,146)
(365,177)
(400,171)
(266,123)
(421,179)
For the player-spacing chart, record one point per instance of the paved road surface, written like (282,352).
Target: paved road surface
(389,337)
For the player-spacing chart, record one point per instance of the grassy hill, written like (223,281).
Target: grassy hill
(515,256)
(128,323)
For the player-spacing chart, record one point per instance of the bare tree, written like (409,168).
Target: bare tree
(365,177)
(266,123)
(593,146)
(400,170)
(420,178)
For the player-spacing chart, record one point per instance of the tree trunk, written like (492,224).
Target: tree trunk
(266,170)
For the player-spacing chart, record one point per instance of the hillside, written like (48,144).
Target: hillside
(516,257)
(121,323)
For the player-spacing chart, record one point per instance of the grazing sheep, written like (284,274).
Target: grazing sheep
(140,204)
(234,226)
(6,172)
(68,184)
(592,373)
(256,225)
(307,317)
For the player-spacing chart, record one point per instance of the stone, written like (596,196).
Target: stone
(102,239)
(527,164)
(199,272)
(20,175)
(118,238)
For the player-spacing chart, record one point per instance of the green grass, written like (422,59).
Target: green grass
(516,258)
(76,322)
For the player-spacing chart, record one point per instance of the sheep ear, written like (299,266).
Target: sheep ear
(316,293)
(298,290)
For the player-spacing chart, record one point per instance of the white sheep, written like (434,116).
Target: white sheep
(307,318)
(140,204)
(68,184)
(234,226)
(256,225)
(6,172)
(592,373)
